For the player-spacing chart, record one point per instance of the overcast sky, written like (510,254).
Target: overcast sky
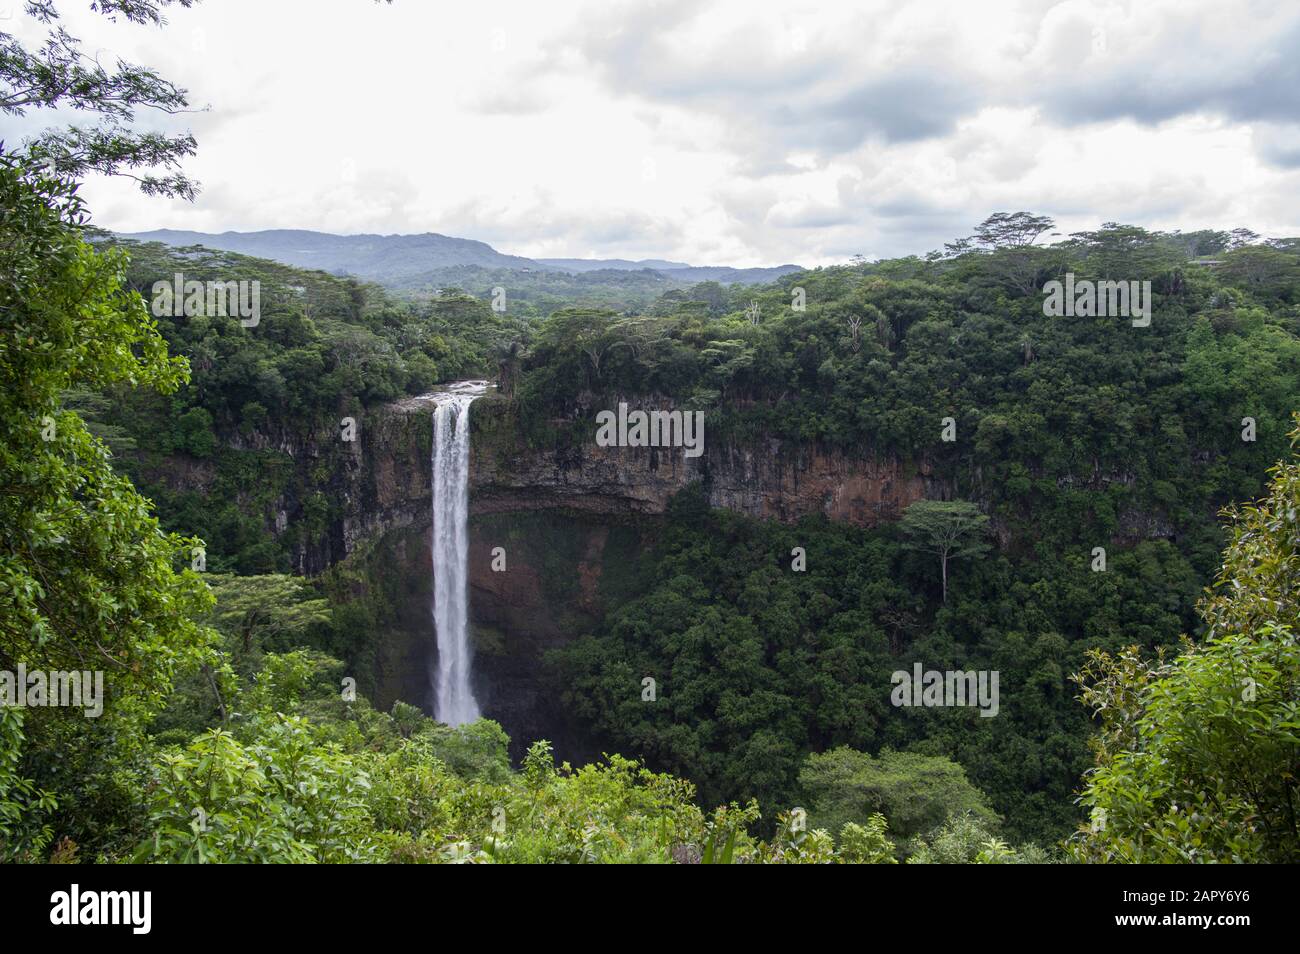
(746,133)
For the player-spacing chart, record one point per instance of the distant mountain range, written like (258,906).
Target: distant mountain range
(410,260)
(619,264)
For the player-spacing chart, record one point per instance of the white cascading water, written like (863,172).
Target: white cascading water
(453,697)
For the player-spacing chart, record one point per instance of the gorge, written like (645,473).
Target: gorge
(574,518)
(621,560)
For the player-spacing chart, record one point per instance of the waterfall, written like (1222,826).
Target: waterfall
(453,697)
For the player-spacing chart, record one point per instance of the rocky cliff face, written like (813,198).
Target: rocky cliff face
(340,492)
(572,519)
(552,580)
(769,479)
(380,481)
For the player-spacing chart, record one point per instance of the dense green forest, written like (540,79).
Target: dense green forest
(1072,434)
(1110,524)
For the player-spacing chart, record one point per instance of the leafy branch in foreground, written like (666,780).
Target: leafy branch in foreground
(1199,757)
(59,75)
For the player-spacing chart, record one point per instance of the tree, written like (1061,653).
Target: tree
(867,844)
(1242,238)
(283,797)
(273,608)
(1197,757)
(88,581)
(1264,271)
(965,839)
(1011,230)
(86,578)
(949,529)
(1117,251)
(59,75)
(1007,240)
(568,349)
(916,793)
(23,836)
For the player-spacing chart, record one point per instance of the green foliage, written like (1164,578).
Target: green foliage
(23,834)
(793,844)
(271,612)
(84,574)
(59,75)
(1071,433)
(867,844)
(965,839)
(726,838)
(1196,757)
(618,812)
(220,458)
(772,683)
(534,293)
(757,665)
(87,579)
(915,792)
(477,750)
(283,797)
(1068,429)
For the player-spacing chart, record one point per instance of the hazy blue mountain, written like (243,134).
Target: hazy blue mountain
(727,276)
(382,258)
(620,264)
(679,271)
(405,261)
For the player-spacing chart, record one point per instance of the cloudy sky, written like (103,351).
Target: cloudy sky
(745,133)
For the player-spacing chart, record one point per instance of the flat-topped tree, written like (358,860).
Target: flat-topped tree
(950,529)
(1007,240)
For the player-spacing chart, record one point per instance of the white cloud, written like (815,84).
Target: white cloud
(723,133)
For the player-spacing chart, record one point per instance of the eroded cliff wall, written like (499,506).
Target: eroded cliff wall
(765,478)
